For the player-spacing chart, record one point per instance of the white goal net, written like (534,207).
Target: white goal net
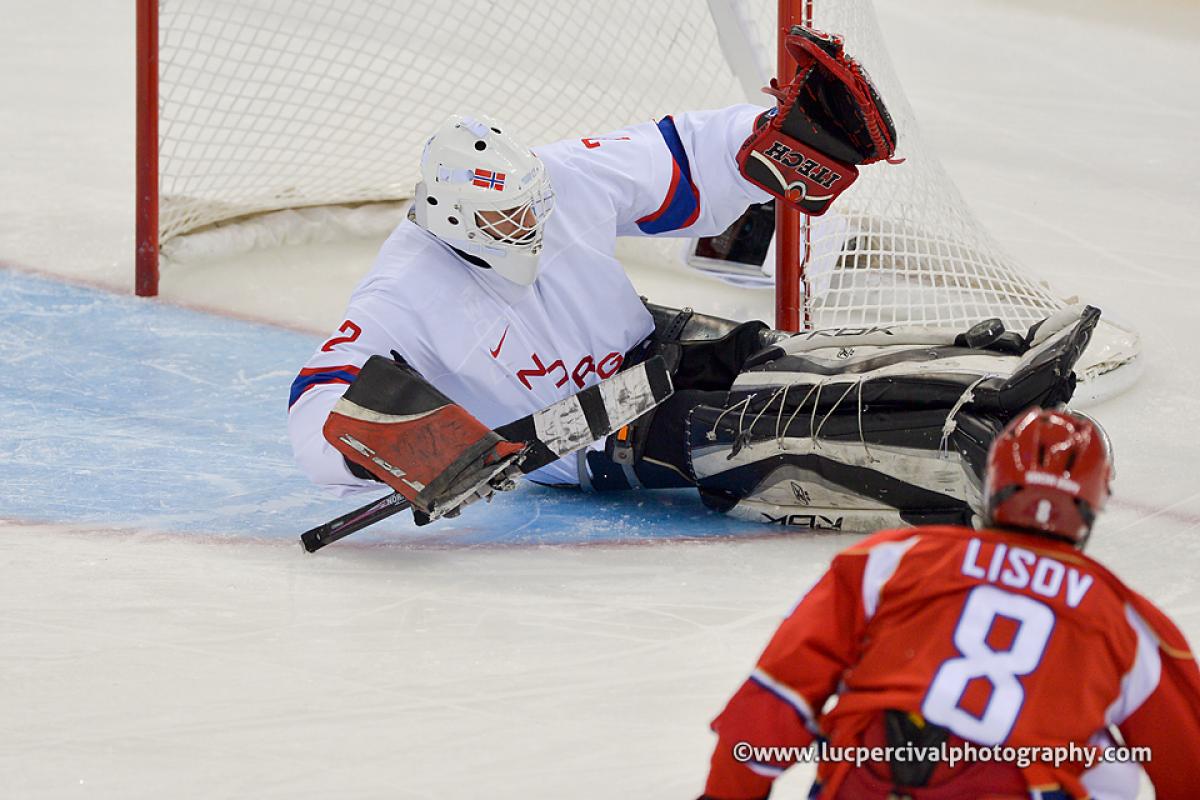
(281,104)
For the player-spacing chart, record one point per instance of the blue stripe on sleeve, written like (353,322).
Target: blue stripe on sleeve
(681,208)
(308,379)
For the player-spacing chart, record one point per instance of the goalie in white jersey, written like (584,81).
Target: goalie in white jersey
(501,294)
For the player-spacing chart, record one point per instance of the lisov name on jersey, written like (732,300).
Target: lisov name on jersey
(1019,568)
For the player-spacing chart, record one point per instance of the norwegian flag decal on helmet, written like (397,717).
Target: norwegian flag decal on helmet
(486,179)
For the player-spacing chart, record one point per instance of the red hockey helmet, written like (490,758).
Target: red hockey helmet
(1048,471)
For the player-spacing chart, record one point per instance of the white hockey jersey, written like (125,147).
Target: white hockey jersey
(503,351)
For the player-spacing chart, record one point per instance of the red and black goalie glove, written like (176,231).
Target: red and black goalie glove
(828,120)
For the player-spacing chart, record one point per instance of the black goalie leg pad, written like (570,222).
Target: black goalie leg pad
(842,472)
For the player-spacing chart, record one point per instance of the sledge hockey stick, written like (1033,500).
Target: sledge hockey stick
(557,430)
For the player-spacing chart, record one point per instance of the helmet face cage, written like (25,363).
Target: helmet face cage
(486,195)
(521,226)
(1049,472)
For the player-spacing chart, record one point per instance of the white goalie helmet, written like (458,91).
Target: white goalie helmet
(486,195)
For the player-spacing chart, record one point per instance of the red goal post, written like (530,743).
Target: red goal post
(790,250)
(146,221)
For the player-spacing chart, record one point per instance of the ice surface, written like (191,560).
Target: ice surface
(163,636)
(141,415)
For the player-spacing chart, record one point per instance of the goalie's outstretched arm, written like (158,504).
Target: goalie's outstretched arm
(693,174)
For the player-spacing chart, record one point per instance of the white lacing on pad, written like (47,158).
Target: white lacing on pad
(743,436)
(780,434)
(861,436)
(951,425)
(829,413)
(712,432)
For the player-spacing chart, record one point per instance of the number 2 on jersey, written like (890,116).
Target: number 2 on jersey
(352,332)
(1000,668)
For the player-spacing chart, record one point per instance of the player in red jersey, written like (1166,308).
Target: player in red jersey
(1007,636)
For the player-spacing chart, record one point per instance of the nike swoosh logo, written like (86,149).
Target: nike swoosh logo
(496,353)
